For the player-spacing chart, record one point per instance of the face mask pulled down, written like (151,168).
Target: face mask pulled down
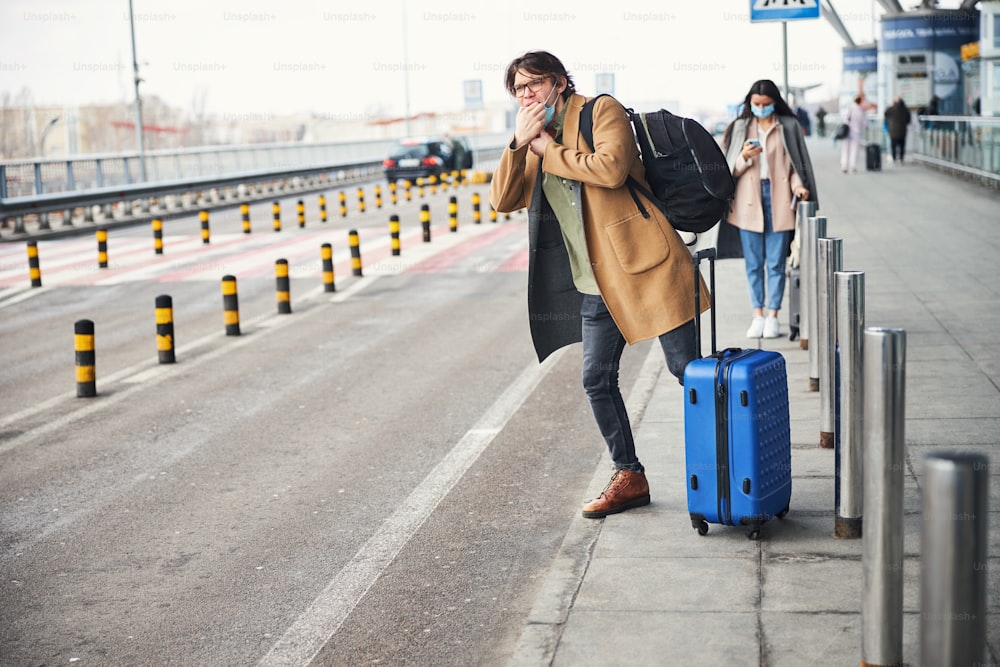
(550,107)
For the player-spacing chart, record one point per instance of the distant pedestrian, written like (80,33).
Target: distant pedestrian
(897,119)
(821,121)
(767,153)
(931,109)
(801,115)
(856,120)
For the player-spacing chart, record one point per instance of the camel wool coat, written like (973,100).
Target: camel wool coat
(642,267)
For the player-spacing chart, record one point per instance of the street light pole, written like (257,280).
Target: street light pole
(138,100)
(45,133)
(784,48)
(406,72)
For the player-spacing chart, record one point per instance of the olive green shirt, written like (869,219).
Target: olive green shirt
(564,196)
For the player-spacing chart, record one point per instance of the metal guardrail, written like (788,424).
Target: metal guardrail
(33,189)
(967,144)
(962,145)
(35,178)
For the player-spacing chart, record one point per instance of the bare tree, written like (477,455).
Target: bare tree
(6,133)
(198,119)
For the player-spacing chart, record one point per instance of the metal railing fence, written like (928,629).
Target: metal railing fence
(969,144)
(28,178)
(96,188)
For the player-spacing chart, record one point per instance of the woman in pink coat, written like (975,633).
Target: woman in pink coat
(767,154)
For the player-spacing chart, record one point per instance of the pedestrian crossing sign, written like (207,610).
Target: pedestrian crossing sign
(783,10)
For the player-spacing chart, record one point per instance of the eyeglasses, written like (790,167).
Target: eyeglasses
(534,85)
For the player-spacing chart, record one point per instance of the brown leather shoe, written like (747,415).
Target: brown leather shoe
(627,489)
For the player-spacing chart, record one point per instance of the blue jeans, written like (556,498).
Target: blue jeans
(765,255)
(603,345)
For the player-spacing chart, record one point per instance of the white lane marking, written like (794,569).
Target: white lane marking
(540,635)
(148,372)
(316,626)
(14,295)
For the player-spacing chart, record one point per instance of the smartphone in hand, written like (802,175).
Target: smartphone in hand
(754,142)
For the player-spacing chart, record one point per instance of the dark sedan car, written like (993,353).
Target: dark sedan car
(426,156)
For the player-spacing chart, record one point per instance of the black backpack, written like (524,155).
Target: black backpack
(685,167)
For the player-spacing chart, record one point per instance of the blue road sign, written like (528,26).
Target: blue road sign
(783,10)
(473,91)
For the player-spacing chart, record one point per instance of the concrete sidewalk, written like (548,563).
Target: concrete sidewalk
(643,588)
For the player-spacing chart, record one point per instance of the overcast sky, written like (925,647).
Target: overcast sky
(257,58)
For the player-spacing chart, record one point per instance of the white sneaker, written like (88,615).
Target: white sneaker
(756,329)
(772,328)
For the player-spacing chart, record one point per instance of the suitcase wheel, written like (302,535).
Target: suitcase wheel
(753,532)
(700,525)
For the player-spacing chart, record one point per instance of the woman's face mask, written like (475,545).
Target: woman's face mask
(762,111)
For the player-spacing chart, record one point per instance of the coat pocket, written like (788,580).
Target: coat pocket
(639,243)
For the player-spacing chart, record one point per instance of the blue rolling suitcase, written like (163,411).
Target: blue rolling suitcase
(736,432)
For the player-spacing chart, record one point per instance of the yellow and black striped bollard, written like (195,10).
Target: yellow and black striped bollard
(326,257)
(361,200)
(230,306)
(378,196)
(245,214)
(493,214)
(157,236)
(407,190)
(165,329)
(322,208)
(444,181)
(206,234)
(453,214)
(343,204)
(355,243)
(394,234)
(392,193)
(102,248)
(433,180)
(86,358)
(420,187)
(276,213)
(34,269)
(283,286)
(425,221)
(300,209)
(477,216)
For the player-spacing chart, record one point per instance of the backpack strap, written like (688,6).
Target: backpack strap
(587,120)
(587,130)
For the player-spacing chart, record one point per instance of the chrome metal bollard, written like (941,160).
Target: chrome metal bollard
(796,312)
(815,229)
(806,241)
(829,260)
(882,544)
(849,287)
(953,559)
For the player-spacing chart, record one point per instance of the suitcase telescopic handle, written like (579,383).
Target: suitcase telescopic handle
(710,255)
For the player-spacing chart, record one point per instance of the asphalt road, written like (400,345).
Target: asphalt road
(382,476)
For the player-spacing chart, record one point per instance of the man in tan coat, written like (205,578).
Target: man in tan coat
(602,269)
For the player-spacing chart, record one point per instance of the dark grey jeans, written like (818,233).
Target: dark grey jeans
(603,345)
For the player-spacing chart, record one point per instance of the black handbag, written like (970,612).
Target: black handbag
(842,131)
